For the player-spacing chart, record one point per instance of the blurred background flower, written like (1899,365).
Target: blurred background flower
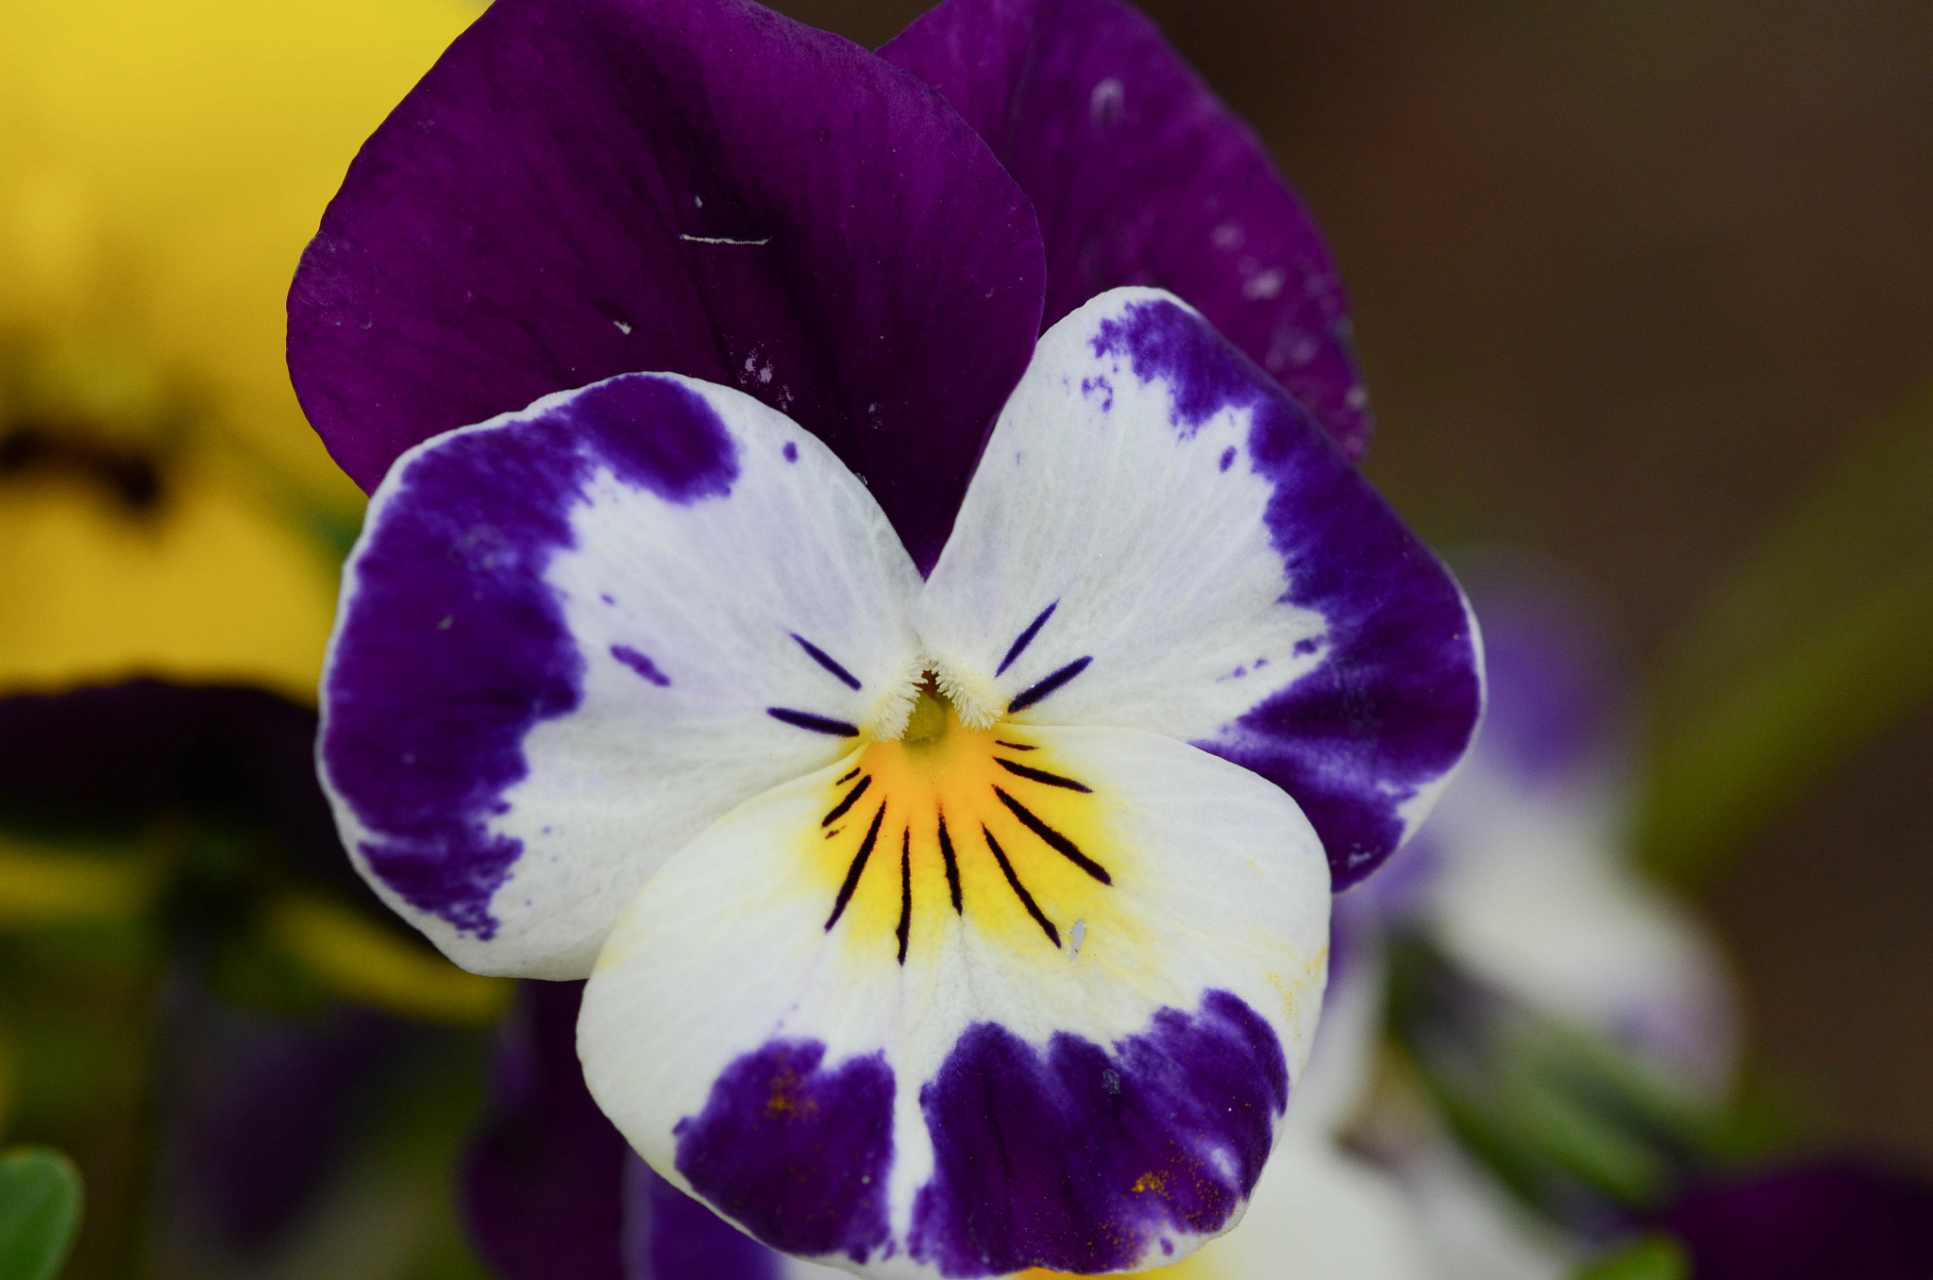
(1644,293)
(166,510)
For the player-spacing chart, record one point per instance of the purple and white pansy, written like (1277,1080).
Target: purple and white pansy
(936,740)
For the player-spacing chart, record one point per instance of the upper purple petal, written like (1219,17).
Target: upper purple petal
(692,186)
(1140,176)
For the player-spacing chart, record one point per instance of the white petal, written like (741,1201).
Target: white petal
(1080,1067)
(1158,538)
(572,637)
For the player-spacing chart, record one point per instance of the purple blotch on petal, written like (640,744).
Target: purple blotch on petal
(791,451)
(796,1153)
(641,664)
(424,724)
(1142,177)
(1392,704)
(1157,339)
(1078,1159)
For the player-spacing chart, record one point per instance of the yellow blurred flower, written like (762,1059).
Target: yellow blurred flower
(161,167)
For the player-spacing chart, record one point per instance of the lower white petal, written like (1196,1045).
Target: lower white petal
(962,1006)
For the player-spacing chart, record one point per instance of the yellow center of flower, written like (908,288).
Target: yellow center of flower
(950,823)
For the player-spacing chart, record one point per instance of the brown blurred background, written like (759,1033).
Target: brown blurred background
(1629,279)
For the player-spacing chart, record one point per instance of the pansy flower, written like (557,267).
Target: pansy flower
(935,739)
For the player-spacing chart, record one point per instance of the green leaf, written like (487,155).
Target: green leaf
(40,1207)
(1648,1258)
(1823,640)
(1558,1115)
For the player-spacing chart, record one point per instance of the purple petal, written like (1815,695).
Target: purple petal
(670,1236)
(1140,176)
(1825,1221)
(541,1185)
(694,186)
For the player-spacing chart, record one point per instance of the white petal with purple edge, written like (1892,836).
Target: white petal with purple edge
(971,1002)
(572,637)
(1158,538)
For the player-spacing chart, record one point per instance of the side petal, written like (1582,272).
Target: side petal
(1159,538)
(945,1038)
(572,637)
(1141,176)
(701,186)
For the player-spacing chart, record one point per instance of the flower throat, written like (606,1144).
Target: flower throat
(986,830)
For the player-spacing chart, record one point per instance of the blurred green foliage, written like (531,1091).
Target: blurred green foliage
(1647,1258)
(1822,640)
(40,1210)
(1566,1120)
(112,938)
